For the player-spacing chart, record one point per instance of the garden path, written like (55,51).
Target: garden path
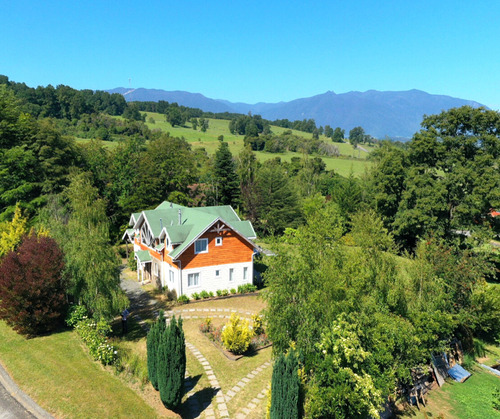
(141,303)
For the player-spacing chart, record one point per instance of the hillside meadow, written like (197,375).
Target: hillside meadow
(350,160)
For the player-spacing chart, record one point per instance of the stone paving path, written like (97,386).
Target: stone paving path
(203,401)
(243,382)
(219,397)
(201,313)
(253,403)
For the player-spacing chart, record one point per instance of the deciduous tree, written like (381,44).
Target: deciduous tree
(33,286)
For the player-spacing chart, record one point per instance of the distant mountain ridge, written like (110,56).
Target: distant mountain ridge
(388,113)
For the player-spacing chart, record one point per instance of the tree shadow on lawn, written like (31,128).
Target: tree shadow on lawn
(195,404)
(135,331)
(191,382)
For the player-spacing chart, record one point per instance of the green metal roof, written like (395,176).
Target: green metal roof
(193,222)
(143,256)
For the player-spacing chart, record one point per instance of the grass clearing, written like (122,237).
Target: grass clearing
(353,160)
(469,400)
(60,376)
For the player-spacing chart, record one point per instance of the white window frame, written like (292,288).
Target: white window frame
(245,272)
(218,241)
(217,273)
(231,274)
(171,276)
(195,276)
(201,241)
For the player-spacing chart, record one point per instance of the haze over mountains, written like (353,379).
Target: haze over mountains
(393,114)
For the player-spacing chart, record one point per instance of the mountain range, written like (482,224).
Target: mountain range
(381,114)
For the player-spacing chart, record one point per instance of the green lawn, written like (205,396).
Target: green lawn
(59,375)
(468,400)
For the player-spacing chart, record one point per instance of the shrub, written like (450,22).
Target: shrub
(93,334)
(204,294)
(225,293)
(206,326)
(479,348)
(236,335)
(76,313)
(243,289)
(219,293)
(211,294)
(257,324)
(496,398)
(259,341)
(131,262)
(195,296)
(33,286)
(233,291)
(171,295)
(183,299)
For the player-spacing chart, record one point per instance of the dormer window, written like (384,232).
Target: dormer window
(201,246)
(218,241)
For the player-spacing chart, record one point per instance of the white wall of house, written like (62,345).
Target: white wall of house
(208,280)
(170,277)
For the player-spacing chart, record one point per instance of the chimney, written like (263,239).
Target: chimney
(180,216)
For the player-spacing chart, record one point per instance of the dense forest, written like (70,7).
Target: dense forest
(372,274)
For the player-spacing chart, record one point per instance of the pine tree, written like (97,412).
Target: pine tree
(172,364)
(226,179)
(285,388)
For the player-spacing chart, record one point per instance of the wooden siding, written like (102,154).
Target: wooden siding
(234,249)
(154,254)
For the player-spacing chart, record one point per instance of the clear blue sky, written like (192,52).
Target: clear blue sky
(256,51)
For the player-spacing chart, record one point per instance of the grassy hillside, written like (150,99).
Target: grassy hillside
(209,141)
(59,375)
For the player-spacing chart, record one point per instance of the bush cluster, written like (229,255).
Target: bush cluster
(236,335)
(206,326)
(94,335)
(242,289)
(76,314)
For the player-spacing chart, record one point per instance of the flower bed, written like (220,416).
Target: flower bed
(215,335)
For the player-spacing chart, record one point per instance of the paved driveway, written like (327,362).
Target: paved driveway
(10,407)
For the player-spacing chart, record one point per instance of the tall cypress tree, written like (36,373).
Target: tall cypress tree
(285,388)
(172,364)
(152,345)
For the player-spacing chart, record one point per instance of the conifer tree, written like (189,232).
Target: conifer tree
(226,179)
(285,388)
(172,364)
(152,345)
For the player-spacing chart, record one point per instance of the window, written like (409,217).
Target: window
(217,272)
(245,271)
(201,246)
(218,241)
(231,274)
(193,280)
(171,276)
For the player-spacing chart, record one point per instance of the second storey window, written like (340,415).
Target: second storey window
(218,241)
(201,246)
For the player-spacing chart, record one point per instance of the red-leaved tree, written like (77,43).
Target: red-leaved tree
(33,286)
